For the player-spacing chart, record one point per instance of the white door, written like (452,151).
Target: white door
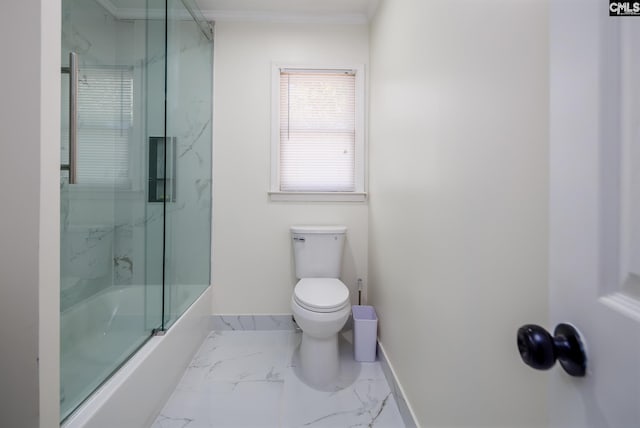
(595,210)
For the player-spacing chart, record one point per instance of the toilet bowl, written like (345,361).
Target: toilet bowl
(321,308)
(320,301)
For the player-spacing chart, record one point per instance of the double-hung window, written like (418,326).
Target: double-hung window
(318,134)
(105,124)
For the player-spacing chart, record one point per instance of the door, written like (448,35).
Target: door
(110,281)
(595,210)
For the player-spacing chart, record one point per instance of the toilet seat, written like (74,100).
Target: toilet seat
(321,294)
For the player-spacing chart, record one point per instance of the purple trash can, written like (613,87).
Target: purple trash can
(365,333)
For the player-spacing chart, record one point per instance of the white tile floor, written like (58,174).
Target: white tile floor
(250,379)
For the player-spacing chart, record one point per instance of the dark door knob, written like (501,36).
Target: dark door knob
(540,350)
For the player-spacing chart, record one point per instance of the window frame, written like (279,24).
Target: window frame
(136,171)
(359,194)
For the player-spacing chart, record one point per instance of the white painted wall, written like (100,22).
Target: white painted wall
(458,229)
(49,232)
(29,241)
(252,261)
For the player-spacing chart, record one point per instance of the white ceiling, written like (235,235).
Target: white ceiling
(347,11)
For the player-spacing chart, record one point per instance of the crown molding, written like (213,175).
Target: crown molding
(284,17)
(131,13)
(247,16)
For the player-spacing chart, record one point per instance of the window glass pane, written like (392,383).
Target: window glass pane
(105,118)
(317,131)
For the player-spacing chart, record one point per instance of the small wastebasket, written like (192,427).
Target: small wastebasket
(365,332)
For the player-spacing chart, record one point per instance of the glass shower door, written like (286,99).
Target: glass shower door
(107,306)
(135,180)
(189,51)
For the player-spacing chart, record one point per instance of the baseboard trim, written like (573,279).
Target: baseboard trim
(408,416)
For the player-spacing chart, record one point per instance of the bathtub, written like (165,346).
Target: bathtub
(100,332)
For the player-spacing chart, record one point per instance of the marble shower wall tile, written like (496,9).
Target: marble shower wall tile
(101,40)
(123,256)
(189,120)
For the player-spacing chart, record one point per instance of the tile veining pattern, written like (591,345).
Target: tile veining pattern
(250,379)
(252,322)
(110,234)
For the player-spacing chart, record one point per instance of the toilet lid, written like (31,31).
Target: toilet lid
(321,294)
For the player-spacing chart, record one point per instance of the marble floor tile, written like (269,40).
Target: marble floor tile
(224,404)
(252,379)
(365,403)
(236,356)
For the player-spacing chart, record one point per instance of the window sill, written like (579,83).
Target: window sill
(318,196)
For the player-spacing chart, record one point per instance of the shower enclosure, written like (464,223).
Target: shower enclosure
(135,179)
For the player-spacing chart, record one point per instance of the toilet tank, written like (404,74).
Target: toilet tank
(317,250)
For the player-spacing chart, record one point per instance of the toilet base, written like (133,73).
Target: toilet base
(319,359)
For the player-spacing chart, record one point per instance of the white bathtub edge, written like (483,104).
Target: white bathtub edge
(135,394)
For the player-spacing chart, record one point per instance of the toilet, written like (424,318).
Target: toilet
(320,301)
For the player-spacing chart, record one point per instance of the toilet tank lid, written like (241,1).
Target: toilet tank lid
(318,229)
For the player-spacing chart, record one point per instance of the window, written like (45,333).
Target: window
(318,135)
(105,120)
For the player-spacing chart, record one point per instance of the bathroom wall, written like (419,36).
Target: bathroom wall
(29,246)
(458,229)
(252,260)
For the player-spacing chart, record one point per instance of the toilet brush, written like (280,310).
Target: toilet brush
(359,291)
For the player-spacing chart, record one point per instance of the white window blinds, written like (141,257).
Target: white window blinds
(105,119)
(317,130)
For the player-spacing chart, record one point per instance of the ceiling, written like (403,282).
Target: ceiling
(346,11)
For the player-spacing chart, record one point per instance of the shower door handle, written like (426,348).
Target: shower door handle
(73,117)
